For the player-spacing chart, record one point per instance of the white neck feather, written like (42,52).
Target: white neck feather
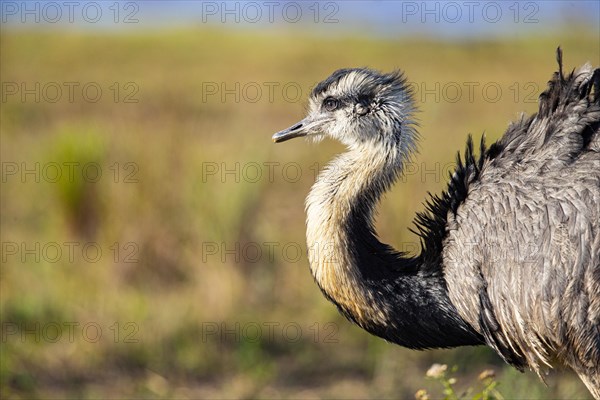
(356,178)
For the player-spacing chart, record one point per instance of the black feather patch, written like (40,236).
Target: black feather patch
(431,223)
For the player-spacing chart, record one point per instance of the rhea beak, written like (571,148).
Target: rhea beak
(298,130)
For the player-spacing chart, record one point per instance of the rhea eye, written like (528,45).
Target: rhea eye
(330,103)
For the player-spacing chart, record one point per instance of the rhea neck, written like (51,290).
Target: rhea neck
(373,285)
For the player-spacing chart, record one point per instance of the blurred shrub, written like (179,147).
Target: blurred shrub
(80,155)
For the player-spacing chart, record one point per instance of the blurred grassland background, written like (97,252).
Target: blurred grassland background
(158,295)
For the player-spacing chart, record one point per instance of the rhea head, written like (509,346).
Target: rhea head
(359,107)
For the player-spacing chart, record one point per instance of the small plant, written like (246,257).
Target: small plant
(78,155)
(484,390)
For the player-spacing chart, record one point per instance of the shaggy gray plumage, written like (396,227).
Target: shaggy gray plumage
(511,250)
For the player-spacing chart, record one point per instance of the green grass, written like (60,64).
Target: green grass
(157,291)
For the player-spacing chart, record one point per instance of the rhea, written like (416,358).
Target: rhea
(510,252)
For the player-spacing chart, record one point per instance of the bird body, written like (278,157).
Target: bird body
(523,249)
(510,251)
